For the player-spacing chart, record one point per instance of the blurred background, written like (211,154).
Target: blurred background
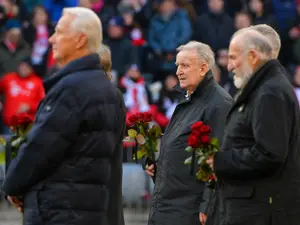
(143,36)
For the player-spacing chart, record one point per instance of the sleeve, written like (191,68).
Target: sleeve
(55,129)
(271,125)
(216,120)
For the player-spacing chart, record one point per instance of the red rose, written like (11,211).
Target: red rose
(13,121)
(205,139)
(22,119)
(147,117)
(25,119)
(193,141)
(197,125)
(132,119)
(196,133)
(140,117)
(211,177)
(205,129)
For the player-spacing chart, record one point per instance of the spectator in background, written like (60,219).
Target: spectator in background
(22,90)
(136,94)
(36,35)
(294,34)
(169,28)
(214,27)
(168,100)
(297,82)
(55,7)
(260,14)
(123,53)
(13,48)
(242,19)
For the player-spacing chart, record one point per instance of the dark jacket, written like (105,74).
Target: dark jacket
(177,193)
(73,153)
(258,169)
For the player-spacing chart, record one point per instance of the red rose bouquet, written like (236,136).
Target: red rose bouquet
(146,135)
(202,146)
(19,124)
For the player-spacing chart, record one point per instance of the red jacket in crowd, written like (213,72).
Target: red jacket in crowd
(20,93)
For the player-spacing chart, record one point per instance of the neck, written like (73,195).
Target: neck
(76,55)
(259,13)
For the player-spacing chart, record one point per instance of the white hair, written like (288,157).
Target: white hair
(252,39)
(271,34)
(87,22)
(203,50)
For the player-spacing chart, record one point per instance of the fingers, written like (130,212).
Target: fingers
(150,170)
(203,218)
(16,202)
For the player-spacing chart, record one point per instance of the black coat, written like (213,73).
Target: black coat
(72,163)
(177,193)
(258,169)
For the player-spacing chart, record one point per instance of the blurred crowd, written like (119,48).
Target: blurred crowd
(143,36)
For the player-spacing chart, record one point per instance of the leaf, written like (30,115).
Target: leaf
(2,141)
(132,133)
(201,159)
(140,139)
(188,161)
(215,142)
(189,149)
(140,154)
(18,141)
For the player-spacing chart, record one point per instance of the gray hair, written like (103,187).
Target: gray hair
(252,39)
(203,50)
(87,22)
(271,34)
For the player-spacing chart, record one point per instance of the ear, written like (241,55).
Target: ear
(253,57)
(81,41)
(203,69)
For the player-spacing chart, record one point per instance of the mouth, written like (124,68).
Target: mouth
(182,79)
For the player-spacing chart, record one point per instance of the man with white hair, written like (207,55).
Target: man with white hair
(177,193)
(258,169)
(69,170)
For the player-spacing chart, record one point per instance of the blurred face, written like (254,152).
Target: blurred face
(238,64)
(242,21)
(256,6)
(40,16)
(66,41)
(13,35)
(190,70)
(216,6)
(223,58)
(134,73)
(170,82)
(166,7)
(24,69)
(115,31)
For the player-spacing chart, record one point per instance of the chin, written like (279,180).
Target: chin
(182,85)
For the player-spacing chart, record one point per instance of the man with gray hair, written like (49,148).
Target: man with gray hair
(258,169)
(69,170)
(177,193)
(271,35)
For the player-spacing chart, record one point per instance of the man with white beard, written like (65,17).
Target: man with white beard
(257,168)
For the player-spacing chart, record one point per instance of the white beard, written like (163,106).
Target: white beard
(243,77)
(239,82)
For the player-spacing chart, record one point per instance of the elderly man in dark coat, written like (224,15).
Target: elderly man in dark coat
(178,194)
(71,164)
(258,167)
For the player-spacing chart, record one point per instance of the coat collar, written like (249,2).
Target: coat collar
(89,62)
(200,90)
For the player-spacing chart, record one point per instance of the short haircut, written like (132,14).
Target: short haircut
(87,22)
(271,34)
(203,50)
(252,39)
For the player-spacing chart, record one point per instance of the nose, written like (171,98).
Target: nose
(51,39)
(178,71)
